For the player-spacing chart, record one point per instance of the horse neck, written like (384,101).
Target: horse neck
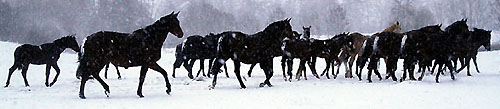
(154,35)
(60,44)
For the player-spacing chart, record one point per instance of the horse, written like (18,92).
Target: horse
(329,50)
(385,45)
(193,48)
(458,32)
(47,54)
(139,48)
(478,38)
(295,36)
(356,51)
(350,54)
(297,48)
(412,44)
(250,49)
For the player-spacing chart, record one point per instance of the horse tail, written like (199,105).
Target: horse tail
(179,56)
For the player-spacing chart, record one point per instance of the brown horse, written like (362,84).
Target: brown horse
(139,48)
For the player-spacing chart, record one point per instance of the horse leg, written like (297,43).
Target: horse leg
(142,76)
(452,75)
(411,72)
(11,70)
(299,72)
(191,64)
(162,71)
(118,72)
(47,74)
(369,77)
(290,68)
(215,70)
(405,69)
(58,71)
(225,69)
(303,65)
(462,64)
(313,69)
(251,68)
(202,67)
(82,86)
(209,66)
(283,67)
(433,67)
(268,70)
(106,71)
(327,69)
(475,63)
(438,73)
(23,72)
(338,69)
(237,66)
(104,85)
(467,63)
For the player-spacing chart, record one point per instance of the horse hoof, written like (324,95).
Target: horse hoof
(420,79)
(141,96)
(168,91)
(46,84)
(262,84)
(51,84)
(119,78)
(82,96)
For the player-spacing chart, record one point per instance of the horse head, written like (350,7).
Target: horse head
(69,42)
(280,29)
(169,23)
(484,37)
(307,32)
(458,27)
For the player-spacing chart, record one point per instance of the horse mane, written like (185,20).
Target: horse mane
(61,40)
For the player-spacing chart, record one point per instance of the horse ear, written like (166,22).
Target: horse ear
(289,20)
(465,20)
(440,25)
(397,22)
(172,13)
(175,15)
(309,26)
(303,27)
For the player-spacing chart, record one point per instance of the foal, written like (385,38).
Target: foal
(47,53)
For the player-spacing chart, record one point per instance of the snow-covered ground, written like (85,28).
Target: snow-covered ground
(480,91)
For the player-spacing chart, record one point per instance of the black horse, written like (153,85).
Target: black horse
(195,48)
(295,36)
(478,38)
(47,53)
(139,48)
(413,44)
(250,49)
(385,45)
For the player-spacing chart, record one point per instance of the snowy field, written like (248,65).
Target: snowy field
(481,91)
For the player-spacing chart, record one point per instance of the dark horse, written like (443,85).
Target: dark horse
(417,48)
(48,54)
(140,48)
(193,48)
(250,49)
(477,38)
(385,45)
